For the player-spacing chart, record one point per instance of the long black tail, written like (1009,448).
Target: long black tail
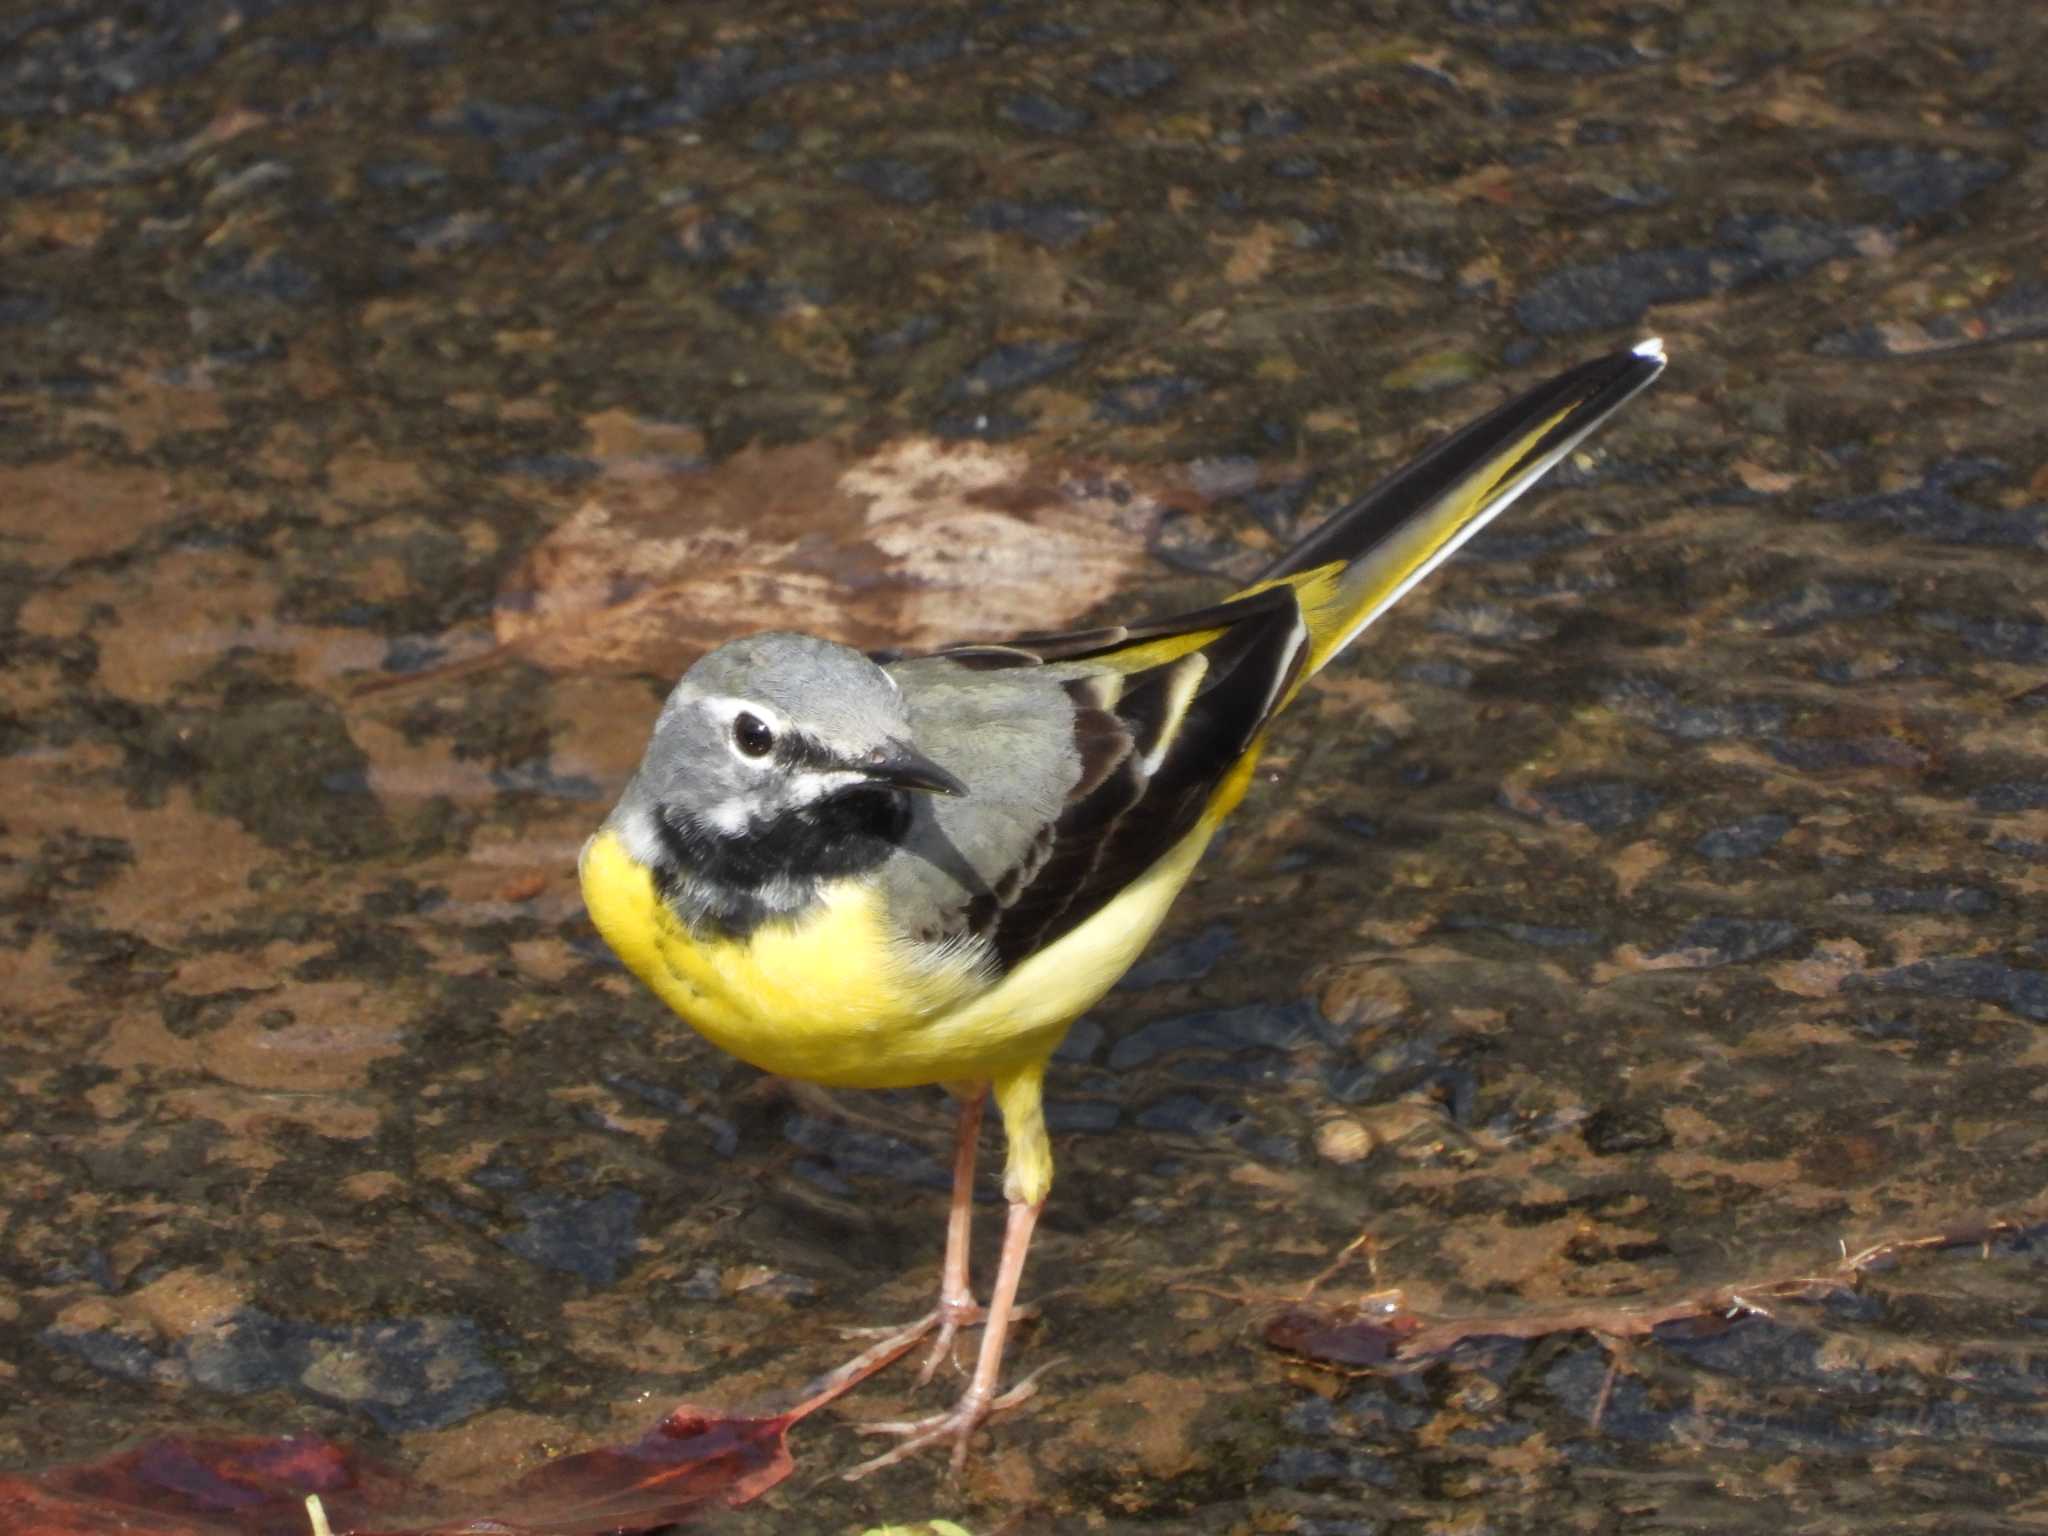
(1366,557)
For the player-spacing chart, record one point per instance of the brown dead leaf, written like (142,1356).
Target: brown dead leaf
(916,544)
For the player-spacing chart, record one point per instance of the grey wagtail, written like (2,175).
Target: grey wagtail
(874,874)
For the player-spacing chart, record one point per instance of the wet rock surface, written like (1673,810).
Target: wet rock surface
(1650,906)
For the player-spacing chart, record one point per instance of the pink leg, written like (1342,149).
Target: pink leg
(956,1297)
(980,1399)
(956,1308)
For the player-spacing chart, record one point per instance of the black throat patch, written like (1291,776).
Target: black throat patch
(729,884)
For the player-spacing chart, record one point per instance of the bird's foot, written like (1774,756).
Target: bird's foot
(957,1424)
(950,1316)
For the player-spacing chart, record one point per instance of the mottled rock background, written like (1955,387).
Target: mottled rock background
(392,396)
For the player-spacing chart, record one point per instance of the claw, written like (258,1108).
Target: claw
(942,1346)
(913,1330)
(951,1319)
(958,1423)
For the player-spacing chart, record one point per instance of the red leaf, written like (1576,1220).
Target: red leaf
(686,1461)
(247,1486)
(1341,1335)
(255,1487)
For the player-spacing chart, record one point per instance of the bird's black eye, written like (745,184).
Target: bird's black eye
(752,736)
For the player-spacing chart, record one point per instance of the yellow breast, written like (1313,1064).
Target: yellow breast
(826,997)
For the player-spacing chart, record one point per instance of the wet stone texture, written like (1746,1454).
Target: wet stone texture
(392,397)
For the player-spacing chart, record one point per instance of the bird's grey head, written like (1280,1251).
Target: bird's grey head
(777,761)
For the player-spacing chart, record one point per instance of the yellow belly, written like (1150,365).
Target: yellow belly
(837,997)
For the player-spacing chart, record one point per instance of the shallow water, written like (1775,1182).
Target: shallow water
(390,400)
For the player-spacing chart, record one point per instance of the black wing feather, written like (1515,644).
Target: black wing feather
(1153,753)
